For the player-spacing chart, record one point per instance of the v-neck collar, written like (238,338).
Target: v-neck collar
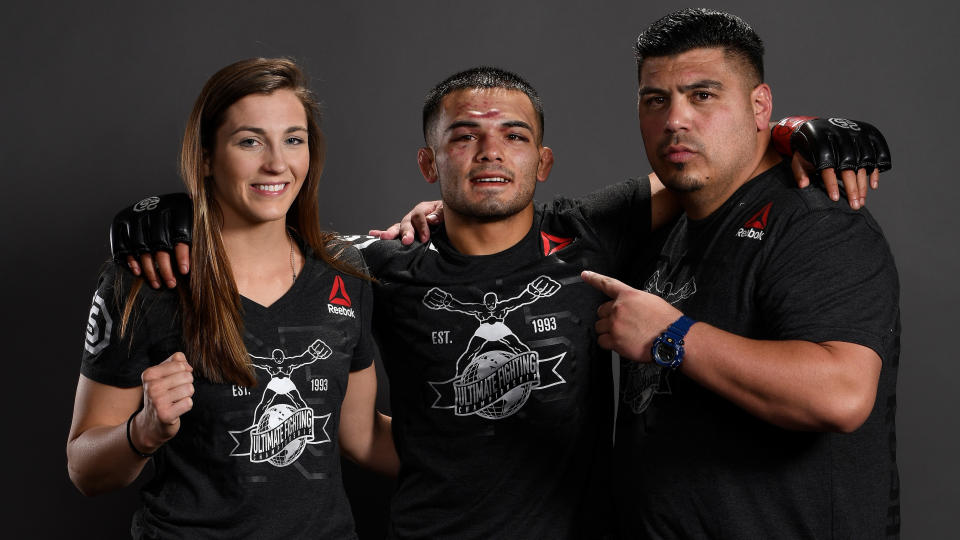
(298,284)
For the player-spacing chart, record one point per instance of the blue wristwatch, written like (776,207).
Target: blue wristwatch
(667,350)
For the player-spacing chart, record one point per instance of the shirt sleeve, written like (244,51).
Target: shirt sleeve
(365,349)
(375,252)
(116,360)
(832,278)
(620,216)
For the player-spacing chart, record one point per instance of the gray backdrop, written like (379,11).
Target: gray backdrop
(95,96)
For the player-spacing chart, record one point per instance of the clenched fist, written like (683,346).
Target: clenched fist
(167,395)
(543,286)
(436,299)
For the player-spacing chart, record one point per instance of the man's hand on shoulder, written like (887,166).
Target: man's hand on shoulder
(416,223)
(150,230)
(826,145)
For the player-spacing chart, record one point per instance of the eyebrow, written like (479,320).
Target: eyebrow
(519,124)
(261,131)
(705,83)
(507,124)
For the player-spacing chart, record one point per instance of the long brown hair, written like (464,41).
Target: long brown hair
(212,311)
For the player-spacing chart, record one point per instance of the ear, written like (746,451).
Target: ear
(207,168)
(546,163)
(428,165)
(762,100)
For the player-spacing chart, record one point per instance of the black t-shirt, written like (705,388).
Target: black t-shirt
(260,462)
(774,262)
(502,401)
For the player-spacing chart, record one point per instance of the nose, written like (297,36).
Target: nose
(490,149)
(274,161)
(678,116)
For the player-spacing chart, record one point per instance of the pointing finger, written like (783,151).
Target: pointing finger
(605,284)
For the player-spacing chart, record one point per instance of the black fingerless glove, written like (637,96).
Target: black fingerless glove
(153,224)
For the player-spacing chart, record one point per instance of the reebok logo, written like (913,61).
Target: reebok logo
(339,299)
(553,244)
(754,227)
(750,233)
(338,294)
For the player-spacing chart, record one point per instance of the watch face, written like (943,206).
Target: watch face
(664,352)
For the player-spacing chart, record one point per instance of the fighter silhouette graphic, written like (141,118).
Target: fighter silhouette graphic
(497,371)
(283,423)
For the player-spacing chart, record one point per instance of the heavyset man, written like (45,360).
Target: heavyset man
(500,394)
(760,401)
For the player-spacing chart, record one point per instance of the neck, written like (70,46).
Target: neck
(471,236)
(256,249)
(701,203)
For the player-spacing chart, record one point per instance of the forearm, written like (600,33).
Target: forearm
(375,451)
(100,460)
(664,206)
(382,456)
(793,384)
(365,436)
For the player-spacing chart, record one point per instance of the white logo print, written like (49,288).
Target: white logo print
(99,325)
(843,123)
(146,204)
(497,371)
(665,290)
(283,423)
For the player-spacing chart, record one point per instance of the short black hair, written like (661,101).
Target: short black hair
(479,77)
(694,28)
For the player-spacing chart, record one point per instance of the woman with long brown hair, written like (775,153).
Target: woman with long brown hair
(242,387)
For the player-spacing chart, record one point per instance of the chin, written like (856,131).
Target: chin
(679,181)
(259,218)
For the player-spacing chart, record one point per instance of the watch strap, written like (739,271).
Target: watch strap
(679,328)
(672,337)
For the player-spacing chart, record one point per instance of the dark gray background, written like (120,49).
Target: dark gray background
(95,96)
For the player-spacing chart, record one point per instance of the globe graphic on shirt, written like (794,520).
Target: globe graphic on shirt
(273,417)
(480,367)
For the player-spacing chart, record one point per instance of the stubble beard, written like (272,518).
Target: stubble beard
(682,181)
(676,176)
(490,208)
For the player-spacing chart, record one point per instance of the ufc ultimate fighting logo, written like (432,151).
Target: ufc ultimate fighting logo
(497,371)
(99,326)
(283,424)
(146,204)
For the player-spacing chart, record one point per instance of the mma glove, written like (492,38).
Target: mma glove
(832,143)
(153,224)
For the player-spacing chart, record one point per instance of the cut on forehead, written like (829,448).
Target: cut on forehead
(462,107)
(482,77)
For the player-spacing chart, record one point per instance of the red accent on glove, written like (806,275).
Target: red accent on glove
(784,130)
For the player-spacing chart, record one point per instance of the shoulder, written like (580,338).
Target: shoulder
(378,254)
(632,191)
(804,230)
(776,203)
(119,345)
(812,209)
(341,249)
(116,284)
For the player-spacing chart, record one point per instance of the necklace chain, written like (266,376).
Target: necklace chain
(293,268)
